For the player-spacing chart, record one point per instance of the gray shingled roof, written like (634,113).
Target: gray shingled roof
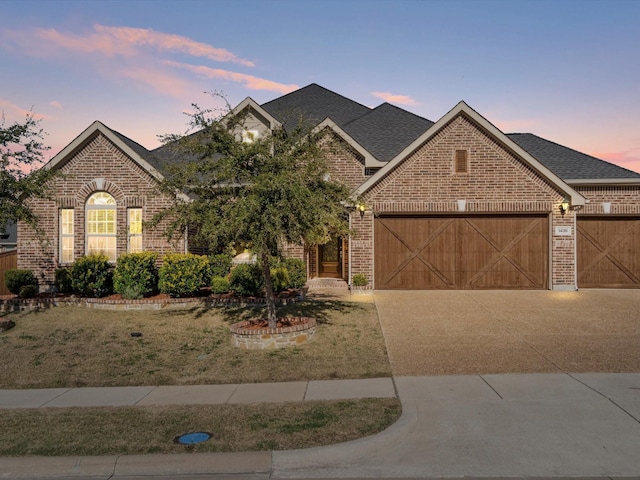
(313,104)
(387,130)
(567,163)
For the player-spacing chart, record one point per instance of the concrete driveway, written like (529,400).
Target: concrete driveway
(482,332)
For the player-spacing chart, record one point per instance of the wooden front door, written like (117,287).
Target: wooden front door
(472,252)
(330,259)
(608,252)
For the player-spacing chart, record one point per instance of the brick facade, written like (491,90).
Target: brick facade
(496,182)
(98,166)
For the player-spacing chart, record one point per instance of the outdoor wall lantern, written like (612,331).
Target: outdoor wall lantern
(564,206)
(361,208)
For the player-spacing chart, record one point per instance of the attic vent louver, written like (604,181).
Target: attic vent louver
(461,162)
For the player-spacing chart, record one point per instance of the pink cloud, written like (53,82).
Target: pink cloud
(249,81)
(169,42)
(113,42)
(14,113)
(55,104)
(393,98)
(628,159)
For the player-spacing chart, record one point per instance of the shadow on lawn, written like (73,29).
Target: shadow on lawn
(318,308)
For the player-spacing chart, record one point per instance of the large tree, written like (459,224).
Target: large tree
(21,152)
(262,193)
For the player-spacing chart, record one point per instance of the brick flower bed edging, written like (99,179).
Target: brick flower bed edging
(271,338)
(14,304)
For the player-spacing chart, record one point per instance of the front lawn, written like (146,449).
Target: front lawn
(75,346)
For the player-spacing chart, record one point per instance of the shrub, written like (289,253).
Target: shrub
(220,265)
(360,280)
(297,272)
(63,280)
(182,274)
(15,279)
(219,285)
(246,280)
(92,276)
(136,275)
(28,291)
(279,278)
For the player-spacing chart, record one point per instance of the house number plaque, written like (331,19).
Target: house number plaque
(563,231)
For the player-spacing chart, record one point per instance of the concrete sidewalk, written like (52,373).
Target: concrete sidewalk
(199,394)
(514,425)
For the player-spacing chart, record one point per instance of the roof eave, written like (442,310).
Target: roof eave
(99,127)
(250,102)
(369,160)
(586,182)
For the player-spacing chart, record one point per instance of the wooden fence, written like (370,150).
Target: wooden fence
(7,260)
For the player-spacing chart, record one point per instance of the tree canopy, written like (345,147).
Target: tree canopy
(261,193)
(21,151)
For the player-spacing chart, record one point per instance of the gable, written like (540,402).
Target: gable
(493,174)
(488,131)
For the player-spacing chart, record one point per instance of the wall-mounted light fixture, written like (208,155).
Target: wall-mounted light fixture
(606,207)
(564,206)
(361,208)
(462,205)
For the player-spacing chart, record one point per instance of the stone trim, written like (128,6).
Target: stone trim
(271,338)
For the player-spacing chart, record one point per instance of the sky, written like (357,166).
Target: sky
(565,70)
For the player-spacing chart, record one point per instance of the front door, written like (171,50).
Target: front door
(330,259)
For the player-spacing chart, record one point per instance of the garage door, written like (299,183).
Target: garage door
(608,252)
(474,252)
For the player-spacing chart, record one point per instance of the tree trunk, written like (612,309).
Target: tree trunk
(268,291)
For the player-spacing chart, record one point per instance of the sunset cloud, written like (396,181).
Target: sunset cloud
(628,159)
(397,99)
(249,81)
(55,104)
(114,42)
(12,112)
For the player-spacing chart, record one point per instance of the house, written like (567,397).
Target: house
(451,204)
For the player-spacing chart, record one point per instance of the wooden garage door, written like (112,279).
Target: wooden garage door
(608,252)
(474,252)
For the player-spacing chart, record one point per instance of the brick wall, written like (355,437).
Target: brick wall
(496,182)
(624,200)
(99,166)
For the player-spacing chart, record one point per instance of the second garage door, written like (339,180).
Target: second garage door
(471,252)
(609,252)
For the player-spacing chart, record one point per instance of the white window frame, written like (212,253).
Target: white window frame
(102,202)
(67,230)
(134,233)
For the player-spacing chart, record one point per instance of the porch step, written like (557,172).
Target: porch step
(327,283)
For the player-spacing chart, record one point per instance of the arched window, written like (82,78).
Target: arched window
(101,225)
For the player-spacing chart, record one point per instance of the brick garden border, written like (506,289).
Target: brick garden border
(14,304)
(247,338)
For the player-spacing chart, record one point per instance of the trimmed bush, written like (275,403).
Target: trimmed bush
(63,280)
(360,280)
(280,279)
(92,276)
(136,275)
(220,265)
(246,280)
(183,274)
(297,271)
(219,285)
(16,279)
(28,291)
